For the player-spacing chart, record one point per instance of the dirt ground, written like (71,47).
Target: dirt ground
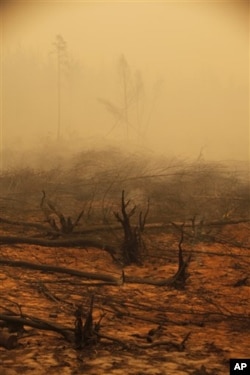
(211,308)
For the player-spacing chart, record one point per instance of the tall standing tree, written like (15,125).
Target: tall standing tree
(139,103)
(131,112)
(60,48)
(124,71)
(123,113)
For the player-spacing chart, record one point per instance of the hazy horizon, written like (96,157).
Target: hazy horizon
(171,77)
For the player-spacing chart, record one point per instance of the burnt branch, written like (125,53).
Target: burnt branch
(180,277)
(86,334)
(142,219)
(29,321)
(56,219)
(132,245)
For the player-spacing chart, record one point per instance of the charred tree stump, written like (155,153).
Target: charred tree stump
(85,335)
(132,246)
(58,222)
(181,276)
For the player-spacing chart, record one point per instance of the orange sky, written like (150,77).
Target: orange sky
(198,51)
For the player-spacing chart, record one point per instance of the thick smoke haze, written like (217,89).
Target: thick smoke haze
(169,77)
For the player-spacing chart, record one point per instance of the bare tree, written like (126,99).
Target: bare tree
(60,48)
(125,74)
(130,112)
(122,112)
(133,246)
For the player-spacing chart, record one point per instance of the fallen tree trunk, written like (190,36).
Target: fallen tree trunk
(103,228)
(67,333)
(90,275)
(170,345)
(49,268)
(66,242)
(150,281)
(23,223)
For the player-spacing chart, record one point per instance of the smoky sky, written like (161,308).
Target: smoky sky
(187,75)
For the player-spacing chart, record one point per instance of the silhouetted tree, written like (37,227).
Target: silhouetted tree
(60,47)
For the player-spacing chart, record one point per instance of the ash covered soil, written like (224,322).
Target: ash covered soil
(144,324)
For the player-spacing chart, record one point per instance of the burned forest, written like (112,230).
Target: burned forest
(116,262)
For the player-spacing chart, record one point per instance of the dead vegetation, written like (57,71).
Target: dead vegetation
(141,287)
(58,222)
(133,247)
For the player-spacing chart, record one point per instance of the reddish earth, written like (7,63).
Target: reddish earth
(210,308)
